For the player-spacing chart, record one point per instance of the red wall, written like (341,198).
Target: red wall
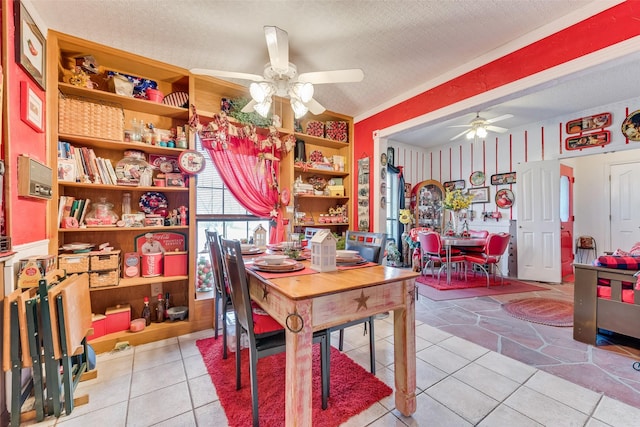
(605,29)
(27,216)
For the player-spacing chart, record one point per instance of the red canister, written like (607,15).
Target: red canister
(152,264)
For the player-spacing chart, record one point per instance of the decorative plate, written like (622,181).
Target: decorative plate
(631,126)
(151,200)
(477,178)
(383,173)
(505,198)
(253,251)
(287,266)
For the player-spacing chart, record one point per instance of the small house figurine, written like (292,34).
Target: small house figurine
(260,237)
(323,251)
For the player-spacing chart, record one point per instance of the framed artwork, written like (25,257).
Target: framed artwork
(597,139)
(454,185)
(31,107)
(588,124)
(503,178)
(174,180)
(480,194)
(631,126)
(30,44)
(391,154)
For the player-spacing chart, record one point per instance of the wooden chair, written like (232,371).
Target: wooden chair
(495,247)
(370,246)
(266,336)
(221,289)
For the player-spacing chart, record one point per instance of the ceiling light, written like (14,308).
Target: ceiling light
(260,91)
(263,107)
(471,134)
(304,91)
(481,132)
(299,109)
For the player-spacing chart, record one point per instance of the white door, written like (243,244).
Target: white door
(538,198)
(625,206)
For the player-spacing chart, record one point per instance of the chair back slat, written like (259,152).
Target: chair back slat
(238,286)
(213,242)
(370,246)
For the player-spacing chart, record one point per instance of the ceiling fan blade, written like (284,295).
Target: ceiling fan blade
(460,134)
(278,46)
(314,106)
(353,75)
(227,74)
(496,129)
(460,126)
(497,119)
(249,107)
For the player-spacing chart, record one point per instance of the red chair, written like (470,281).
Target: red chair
(476,234)
(433,251)
(493,250)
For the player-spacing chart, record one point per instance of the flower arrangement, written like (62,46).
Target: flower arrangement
(405,216)
(455,200)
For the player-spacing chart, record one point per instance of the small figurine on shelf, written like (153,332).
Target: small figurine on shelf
(183,215)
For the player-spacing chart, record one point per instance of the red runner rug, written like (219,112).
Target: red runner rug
(545,311)
(353,389)
(471,288)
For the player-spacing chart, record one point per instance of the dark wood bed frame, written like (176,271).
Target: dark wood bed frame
(591,313)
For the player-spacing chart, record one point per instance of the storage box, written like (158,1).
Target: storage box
(74,263)
(175,264)
(118,318)
(104,260)
(336,130)
(131,265)
(336,190)
(100,279)
(99,325)
(315,128)
(45,263)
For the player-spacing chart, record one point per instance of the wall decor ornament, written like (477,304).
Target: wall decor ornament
(30,44)
(503,178)
(589,123)
(631,126)
(391,155)
(459,184)
(31,107)
(477,178)
(480,194)
(597,139)
(504,198)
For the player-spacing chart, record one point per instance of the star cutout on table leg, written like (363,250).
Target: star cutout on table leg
(412,293)
(362,301)
(265,292)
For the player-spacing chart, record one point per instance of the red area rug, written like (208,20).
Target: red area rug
(353,389)
(471,288)
(545,311)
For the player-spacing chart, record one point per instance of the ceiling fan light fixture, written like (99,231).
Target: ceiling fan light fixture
(471,134)
(260,91)
(304,91)
(299,109)
(263,107)
(481,132)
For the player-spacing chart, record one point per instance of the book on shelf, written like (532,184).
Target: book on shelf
(67,170)
(85,209)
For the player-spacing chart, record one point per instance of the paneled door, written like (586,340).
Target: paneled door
(539,221)
(625,206)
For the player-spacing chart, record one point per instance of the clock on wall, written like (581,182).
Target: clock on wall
(191,162)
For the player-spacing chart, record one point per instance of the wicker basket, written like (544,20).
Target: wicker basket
(101,279)
(88,117)
(73,263)
(105,261)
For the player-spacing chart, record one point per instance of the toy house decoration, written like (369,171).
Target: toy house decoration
(260,236)
(323,251)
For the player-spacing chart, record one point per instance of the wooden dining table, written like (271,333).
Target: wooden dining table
(307,301)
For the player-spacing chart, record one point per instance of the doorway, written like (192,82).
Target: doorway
(625,205)
(566,221)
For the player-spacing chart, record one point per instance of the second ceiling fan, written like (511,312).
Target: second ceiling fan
(479,127)
(281,78)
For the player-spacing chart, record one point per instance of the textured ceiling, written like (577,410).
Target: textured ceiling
(400,45)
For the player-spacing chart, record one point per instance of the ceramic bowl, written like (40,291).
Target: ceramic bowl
(342,253)
(286,245)
(274,259)
(245,247)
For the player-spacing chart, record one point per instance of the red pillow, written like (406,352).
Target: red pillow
(620,262)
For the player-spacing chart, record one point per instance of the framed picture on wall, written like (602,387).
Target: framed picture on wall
(480,194)
(31,107)
(30,44)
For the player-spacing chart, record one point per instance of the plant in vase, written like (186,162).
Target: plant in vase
(455,201)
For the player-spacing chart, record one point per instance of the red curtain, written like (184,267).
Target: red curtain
(249,165)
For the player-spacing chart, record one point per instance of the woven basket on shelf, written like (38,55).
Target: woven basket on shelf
(88,117)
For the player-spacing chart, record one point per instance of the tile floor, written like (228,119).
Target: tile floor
(475,366)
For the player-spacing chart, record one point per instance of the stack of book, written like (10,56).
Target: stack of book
(80,164)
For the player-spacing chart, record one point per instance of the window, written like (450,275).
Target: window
(393,205)
(217,209)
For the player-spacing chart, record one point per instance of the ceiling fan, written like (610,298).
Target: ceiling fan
(479,127)
(281,78)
